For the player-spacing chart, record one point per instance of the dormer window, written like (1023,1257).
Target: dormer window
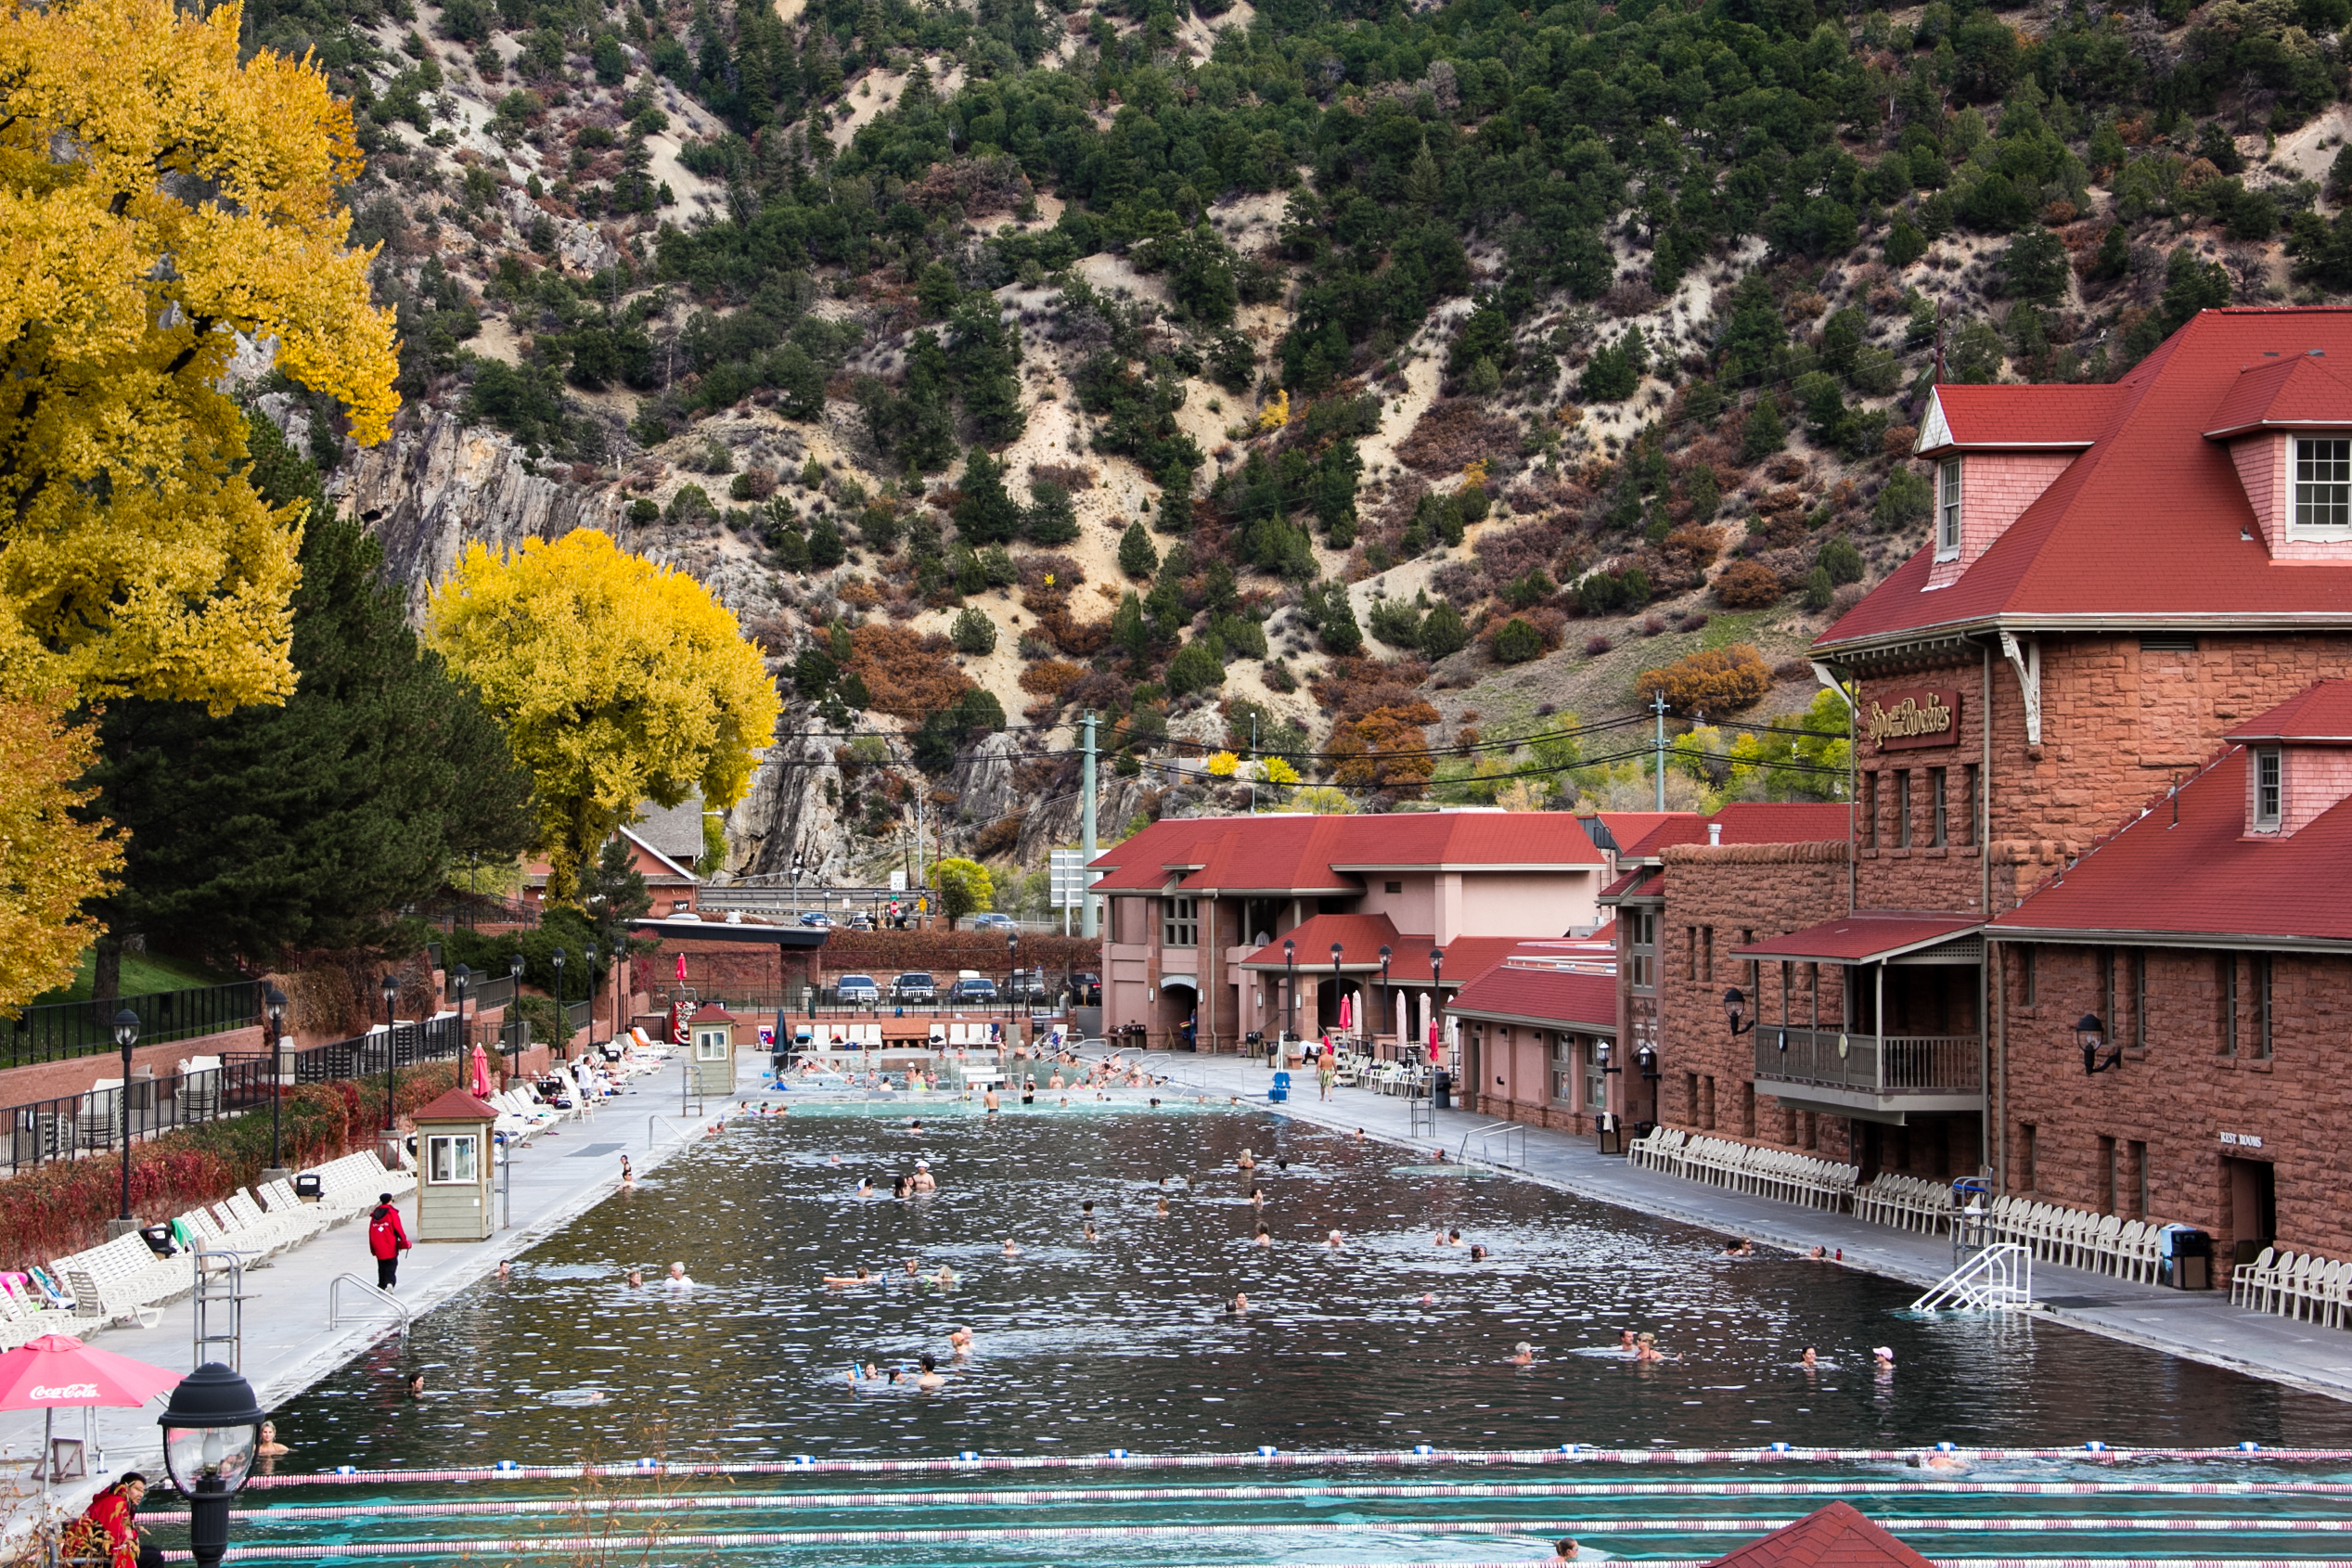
(1947,509)
(2322,486)
(2269,789)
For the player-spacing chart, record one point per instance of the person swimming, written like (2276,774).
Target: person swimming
(1626,1342)
(1011,1250)
(959,1341)
(1646,1349)
(930,1378)
(864,1188)
(1478,1255)
(1808,1358)
(1241,1304)
(1245,1161)
(677,1279)
(1163,1205)
(1265,1236)
(1524,1355)
(1334,1241)
(1090,1234)
(861,1277)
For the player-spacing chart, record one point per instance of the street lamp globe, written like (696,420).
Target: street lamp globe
(212,1430)
(127,1028)
(1735,1008)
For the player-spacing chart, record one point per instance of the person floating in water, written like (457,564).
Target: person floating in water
(860,1278)
(1524,1355)
(1646,1349)
(677,1279)
(1011,1250)
(1265,1236)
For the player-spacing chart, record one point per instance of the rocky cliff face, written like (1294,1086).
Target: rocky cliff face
(439,485)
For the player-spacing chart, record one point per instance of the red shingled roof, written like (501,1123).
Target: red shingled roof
(2294,391)
(1834,1536)
(2205,877)
(1545,997)
(2151,523)
(1298,854)
(1360,936)
(1860,937)
(456,1106)
(2321,714)
(2013,419)
(1746,822)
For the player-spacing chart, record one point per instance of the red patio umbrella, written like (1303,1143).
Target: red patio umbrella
(60,1371)
(482,1072)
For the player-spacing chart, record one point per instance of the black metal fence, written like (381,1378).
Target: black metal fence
(63,1030)
(73,1126)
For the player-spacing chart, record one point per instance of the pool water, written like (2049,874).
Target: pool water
(1125,1342)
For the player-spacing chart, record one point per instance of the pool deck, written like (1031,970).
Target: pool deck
(287,1345)
(2200,1325)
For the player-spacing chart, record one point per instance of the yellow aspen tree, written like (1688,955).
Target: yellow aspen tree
(159,197)
(50,859)
(618,681)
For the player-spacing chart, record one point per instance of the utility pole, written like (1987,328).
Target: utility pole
(1658,706)
(1085,831)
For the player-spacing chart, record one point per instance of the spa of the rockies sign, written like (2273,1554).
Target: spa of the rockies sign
(1929,716)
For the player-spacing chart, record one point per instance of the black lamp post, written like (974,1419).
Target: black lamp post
(1735,1007)
(1613,1128)
(1436,1004)
(1336,979)
(2090,1034)
(588,956)
(563,1020)
(1012,968)
(1388,1001)
(276,1002)
(514,1008)
(126,1034)
(391,1055)
(1646,1059)
(459,978)
(1290,986)
(212,1430)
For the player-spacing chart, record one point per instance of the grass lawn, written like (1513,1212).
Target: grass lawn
(142,973)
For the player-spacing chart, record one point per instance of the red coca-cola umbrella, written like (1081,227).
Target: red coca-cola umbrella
(59,1370)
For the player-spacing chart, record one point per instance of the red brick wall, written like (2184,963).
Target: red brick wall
(2179,1093)
(1706,1077)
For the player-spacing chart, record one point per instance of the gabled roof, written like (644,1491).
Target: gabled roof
(634,837)
(1360,937)
(2148,527)
(2292,392)
(1865,936)
(1540,998)
(1963,418)
(1618,830)
(2322,715)
(1294,854)
(456,1106)
(1630,885)
(2203,883)
(1834,1536)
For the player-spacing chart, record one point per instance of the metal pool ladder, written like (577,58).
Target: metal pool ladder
(220,1293)
(1508,1134)
(369,1297)
(2000,1278)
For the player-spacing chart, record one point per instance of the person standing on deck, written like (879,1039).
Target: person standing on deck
(386,1241)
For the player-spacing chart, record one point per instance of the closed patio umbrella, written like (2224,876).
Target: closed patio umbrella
(482,1072)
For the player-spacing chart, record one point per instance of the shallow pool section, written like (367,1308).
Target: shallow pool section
(1128,1341)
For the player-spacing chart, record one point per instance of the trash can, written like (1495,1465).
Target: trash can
(2185,1258)
(1441,1089)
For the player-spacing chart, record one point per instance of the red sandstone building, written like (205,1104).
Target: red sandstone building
(2127,587)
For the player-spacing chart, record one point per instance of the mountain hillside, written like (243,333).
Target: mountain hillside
(1387,389)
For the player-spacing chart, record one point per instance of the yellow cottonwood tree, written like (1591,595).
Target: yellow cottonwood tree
(158,198)
(51,860)
(618,681)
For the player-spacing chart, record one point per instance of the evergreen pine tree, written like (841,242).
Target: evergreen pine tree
(1137,558)
(310,824)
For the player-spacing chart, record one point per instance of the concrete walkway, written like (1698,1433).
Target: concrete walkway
(2200,1325)
(287,1345)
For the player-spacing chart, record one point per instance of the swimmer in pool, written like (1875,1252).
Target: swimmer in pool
(1646,1349)
(1478,1255)
(988,1099)
(636,1278)
(923,1181)
(864,1188)
(1742,1248)
(1257,1199)
(1089,1231)
(1524,1356)
(1625,1341)
(1163,1205)
(1334,1242)
(930,1378)
(1808,1358)
(677,1279)
(1012,1251)
(1240,1304)
(1265,1236)
(1246,1161)
(910,1268)
(860,1278)
(959,1341)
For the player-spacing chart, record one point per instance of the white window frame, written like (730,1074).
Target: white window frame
(2299,490)
(1596,1080)
(1947,509)
(1180,922)
(453,1159)
(709,1044)
(2270,778)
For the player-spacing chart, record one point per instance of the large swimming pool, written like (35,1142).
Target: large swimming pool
(1127,1340)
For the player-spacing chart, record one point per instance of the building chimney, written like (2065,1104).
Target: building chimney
(1715,833)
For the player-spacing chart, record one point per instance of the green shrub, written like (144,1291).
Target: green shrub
(973,632)
(1518,642)
(1444,631)
(1840,561)
(1196,667)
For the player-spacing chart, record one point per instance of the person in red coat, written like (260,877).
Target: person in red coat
(105,1526)
(387,1240)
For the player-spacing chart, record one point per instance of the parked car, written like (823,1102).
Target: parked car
(989,919)
(1086,988)
(818,919)
(857,988)
(914,986)
(1028,985)
(861,922)
(972,989)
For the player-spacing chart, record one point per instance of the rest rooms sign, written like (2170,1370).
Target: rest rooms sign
(1927,716)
